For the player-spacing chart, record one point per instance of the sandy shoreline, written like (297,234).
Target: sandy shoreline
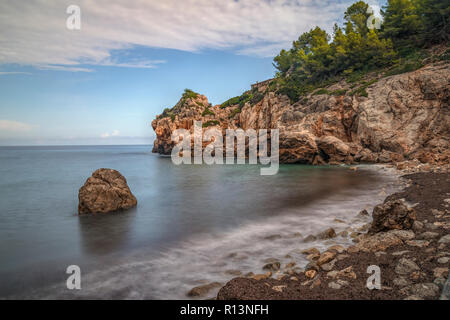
(413,263)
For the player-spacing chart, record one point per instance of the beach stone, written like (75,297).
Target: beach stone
(406,266)
(428,235)
(353,249)
(403,234)
(289,272)
(290,264)
(440,282)
(337,248)
(378,242)
(311,251)
(203,290)
(443,254)
(417,226)
(334,285)
(443,260)
(401,282)
(354,235)
(445,295)
(440,272)
(279,288)
(312,266)
(272,266)
(347,273)
(424,290)
(340,257)
(327,234)
(413,298)
(310,273)
(315,283)
(270,260)
(418,243)
(310,238)
(313,256)
(363,228)
(392,215)
(343,234)
(445,239)
(363,214)
(105,191)
(233,272)
(272,237)
(431,226)
(328,266)
(325,257)
(261,276)
(400,253)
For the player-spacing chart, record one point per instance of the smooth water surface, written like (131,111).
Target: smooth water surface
(193,223)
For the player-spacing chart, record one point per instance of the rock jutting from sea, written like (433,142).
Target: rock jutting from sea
(105,191)
(403,119)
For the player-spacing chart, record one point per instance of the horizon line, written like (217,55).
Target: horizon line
(76,145)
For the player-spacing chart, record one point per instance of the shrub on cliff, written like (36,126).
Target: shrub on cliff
(188,94)
(210,123)
(207,112)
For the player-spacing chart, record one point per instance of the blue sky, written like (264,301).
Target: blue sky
(104,83)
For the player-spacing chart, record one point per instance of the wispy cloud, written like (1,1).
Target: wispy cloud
(34,32)
(15,126)
(4,73)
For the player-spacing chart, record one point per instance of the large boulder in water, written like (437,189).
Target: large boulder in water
(105,191)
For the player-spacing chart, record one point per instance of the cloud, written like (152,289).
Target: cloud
(3,73)
(115,133)
(34,32)
(15,126)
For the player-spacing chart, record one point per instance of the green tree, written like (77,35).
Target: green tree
(402,22)
(435,15)
(356,16)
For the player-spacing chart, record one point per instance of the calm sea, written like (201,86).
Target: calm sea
(193,223)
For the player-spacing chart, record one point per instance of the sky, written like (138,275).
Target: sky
(106,81)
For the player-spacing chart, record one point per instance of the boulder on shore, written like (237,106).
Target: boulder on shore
(392,215)
(105,191)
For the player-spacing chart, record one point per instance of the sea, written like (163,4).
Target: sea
(193,225)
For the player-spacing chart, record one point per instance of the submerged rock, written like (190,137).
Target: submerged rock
(202,290)
(272,266)
(327,234)
(105,191)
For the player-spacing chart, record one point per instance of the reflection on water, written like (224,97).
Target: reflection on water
(101,234)
(187,220)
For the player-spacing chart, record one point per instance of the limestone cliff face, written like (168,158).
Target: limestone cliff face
(403,117)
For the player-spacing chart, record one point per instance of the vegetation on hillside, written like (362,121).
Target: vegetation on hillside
(354,51)
(317,59)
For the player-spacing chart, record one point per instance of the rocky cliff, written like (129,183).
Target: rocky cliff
(397,118)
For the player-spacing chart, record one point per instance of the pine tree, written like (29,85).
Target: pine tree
(435,16)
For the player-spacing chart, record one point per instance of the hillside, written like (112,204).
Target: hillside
(362,95)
